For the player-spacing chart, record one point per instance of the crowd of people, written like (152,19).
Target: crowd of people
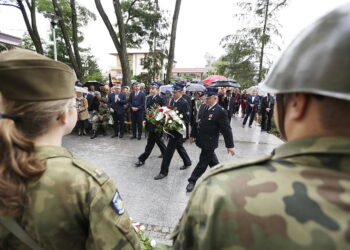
(124,108)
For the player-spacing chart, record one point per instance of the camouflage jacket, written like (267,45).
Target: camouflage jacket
(103,110)
(297,198)
(73,206)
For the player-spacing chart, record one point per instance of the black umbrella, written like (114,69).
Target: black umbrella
(225,83)
(95,83)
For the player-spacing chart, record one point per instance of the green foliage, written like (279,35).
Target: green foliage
(84,16)
(258,35)
(238,62)
(143,77)
(144,21)
(27,42)
(144,239)
(91,69)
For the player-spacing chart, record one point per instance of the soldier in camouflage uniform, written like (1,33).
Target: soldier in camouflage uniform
(48,198)
(102,115)
(299,196)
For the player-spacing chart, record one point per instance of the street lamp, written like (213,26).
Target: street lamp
(54,21)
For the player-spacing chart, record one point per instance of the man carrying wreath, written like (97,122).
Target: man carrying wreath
(154,100)
(175,138)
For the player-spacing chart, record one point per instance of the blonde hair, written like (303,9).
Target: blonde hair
(18,165)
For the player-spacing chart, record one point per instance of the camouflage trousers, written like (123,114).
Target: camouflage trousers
(97,124)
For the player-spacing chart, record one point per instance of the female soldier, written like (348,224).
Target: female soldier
(48,198)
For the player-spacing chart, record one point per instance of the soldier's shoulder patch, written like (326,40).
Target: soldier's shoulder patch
(95,172)
(225,167)
(117,204)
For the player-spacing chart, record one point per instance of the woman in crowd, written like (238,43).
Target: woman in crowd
(244,97)
(83,113)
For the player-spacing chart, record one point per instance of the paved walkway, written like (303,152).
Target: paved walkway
(159,204)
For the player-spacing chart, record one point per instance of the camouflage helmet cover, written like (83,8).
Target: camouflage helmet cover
(318,60)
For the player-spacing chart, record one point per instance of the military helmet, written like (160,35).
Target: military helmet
(318,60)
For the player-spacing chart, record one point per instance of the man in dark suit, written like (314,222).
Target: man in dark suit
(188,99)
(137,103)
(267,105)
(155,99)
(116,102)
(175,139)
(229,104)
(253,102)
(212,121)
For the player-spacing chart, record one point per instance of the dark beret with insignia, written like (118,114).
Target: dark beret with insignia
(155,85)
(28,76)
(211,92)
(178,86)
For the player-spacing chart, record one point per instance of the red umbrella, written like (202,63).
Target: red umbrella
(214,78)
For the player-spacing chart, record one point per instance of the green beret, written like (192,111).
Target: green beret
(28,76)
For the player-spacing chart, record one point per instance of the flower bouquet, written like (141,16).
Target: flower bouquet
(166,119)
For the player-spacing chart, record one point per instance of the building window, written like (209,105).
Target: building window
(142,61)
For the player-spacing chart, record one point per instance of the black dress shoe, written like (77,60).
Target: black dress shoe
(190,187)
(113,136)
(161,156)
(184,167)
(139,163)
(121,136)
(160,176)
(139,138)
(132,137)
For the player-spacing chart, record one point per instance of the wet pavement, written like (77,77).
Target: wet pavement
(159,204)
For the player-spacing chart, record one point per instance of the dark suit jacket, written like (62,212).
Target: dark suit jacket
(119,105)
(256,103)
(229,106)
(194,127)
(267,102)
(137,101)
(211,123)
(151,101)
(90,98)
(183,107)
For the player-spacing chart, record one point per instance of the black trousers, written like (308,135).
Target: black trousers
(266,118)
(118,125)
(174,143)
(187,130)
(152,139)
(137,118)
(207,157)
(229,115)
(251,113)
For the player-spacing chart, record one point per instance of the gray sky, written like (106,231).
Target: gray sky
(201,26)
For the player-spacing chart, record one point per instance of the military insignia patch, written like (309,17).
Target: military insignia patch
(117,204)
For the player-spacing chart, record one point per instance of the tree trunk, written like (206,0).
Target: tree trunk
(117,44)
(263,42)
(31,27)
(75,38)
(172,41)
(124,61)
(66,39)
